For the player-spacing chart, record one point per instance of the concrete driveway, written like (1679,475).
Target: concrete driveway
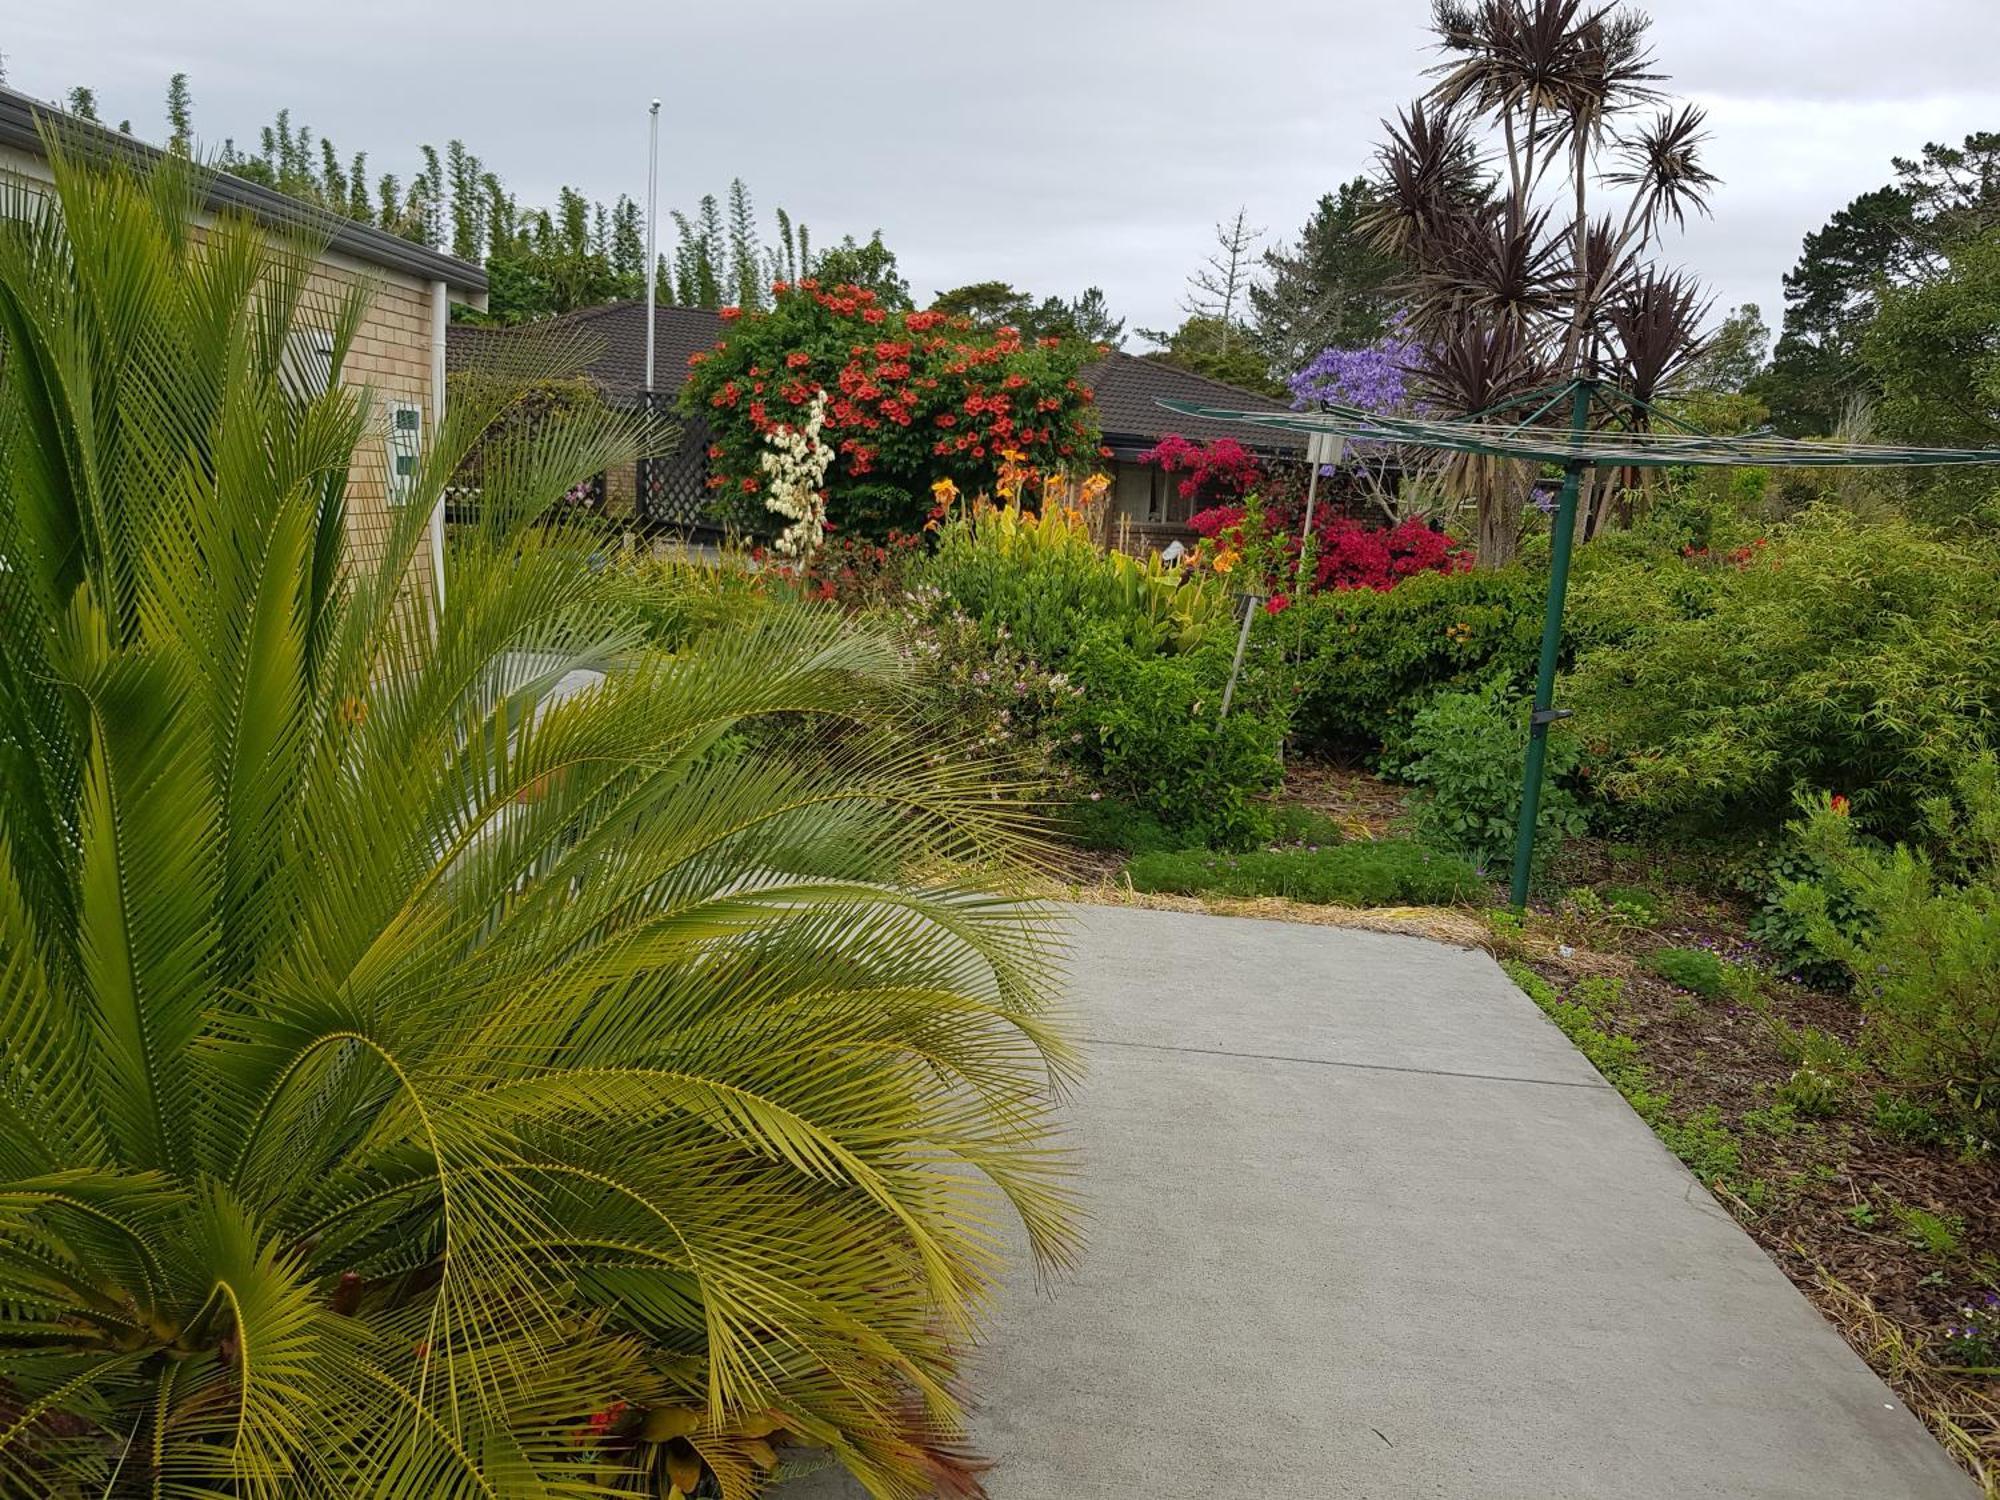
(1365,1224)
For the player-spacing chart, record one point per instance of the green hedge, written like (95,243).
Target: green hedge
(1390,873)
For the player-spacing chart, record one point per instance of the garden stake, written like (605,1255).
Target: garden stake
(1544,714)
(1242,640)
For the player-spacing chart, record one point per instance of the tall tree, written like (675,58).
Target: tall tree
(746,258)
(628,247)
(1733,356)
(1207,346)
(1220,289)
(180,115)
(83,103)
(1334,290)
(1899,235)
(996,304)
(468,202)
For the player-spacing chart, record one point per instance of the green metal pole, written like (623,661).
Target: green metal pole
(1544,712)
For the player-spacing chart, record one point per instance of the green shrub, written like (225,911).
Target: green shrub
(1153,737)
(1293,824)
(1373,660)
(674,601)
(1927,969)
(1044,583)
(1113,826)
(1693,969)
(1863,657)
(1631,903)
(1390,873)
(1465,753)
(1778,924)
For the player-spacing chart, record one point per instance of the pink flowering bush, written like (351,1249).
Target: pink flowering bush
(1345,554)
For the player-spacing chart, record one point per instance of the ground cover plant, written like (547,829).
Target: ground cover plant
(412,1083)
(1389,873)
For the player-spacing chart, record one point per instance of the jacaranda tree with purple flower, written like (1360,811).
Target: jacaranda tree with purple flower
(1378,377)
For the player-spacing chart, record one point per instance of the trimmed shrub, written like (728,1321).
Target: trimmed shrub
(1372,660)
(1393,872)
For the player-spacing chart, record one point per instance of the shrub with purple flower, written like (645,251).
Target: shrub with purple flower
(1972,1338)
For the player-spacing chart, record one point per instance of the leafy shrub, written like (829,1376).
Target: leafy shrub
(1778,924)
(1372,661)
(1108,824)
(1046,581)
(1862,656)
(986,702)
(1927,970)
(1631,903)
(1464,756)
(1152,736)
(853,571)
(674,601)
(1389,873)
(1693,969)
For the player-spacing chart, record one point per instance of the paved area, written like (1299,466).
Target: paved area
(1364,1224)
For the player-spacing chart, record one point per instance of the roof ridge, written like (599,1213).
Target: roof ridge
(1208,380)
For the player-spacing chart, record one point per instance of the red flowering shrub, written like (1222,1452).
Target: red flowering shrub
(1347,555)
(1222,473)
(912,397)
(851,571)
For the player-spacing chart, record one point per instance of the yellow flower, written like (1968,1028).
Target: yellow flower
(944,490)
(1096,485)
(1224,560)
(1012,455)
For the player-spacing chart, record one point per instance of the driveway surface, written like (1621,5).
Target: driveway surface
(1363,1223)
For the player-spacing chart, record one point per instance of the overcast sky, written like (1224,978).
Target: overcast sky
(1053,145)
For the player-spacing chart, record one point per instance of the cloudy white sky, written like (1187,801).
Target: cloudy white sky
(1051,143)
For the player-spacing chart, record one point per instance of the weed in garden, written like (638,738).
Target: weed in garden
(1862,1215)
(1308,826)
(1905,1120)
(1972,1339)
(1940,1235)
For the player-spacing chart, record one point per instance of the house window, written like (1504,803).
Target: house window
(305,369)
(405,448)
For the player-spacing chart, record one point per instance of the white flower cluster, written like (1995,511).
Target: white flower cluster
(795,473)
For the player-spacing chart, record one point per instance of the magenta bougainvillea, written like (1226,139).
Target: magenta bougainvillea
(1346,554)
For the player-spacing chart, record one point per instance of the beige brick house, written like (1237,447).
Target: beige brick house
(398,356)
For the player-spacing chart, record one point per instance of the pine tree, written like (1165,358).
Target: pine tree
(1334,291)
(333,180)
(83,103)
(745,259)
(358,206)
(180,115)
(389,203)
(1220,288)
(628,248)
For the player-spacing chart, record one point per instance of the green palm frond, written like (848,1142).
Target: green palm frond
(413,1081)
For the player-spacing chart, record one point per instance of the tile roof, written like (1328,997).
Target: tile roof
(608,344)
(1127,388)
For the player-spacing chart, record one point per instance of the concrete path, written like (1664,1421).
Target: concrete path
(1365,1224)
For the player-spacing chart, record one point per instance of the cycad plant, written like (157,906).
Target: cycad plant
(416,1081)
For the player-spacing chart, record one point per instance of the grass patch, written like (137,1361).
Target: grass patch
(1390,873)
(1701,1140)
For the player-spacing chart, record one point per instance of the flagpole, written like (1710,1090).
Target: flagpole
(652,237)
